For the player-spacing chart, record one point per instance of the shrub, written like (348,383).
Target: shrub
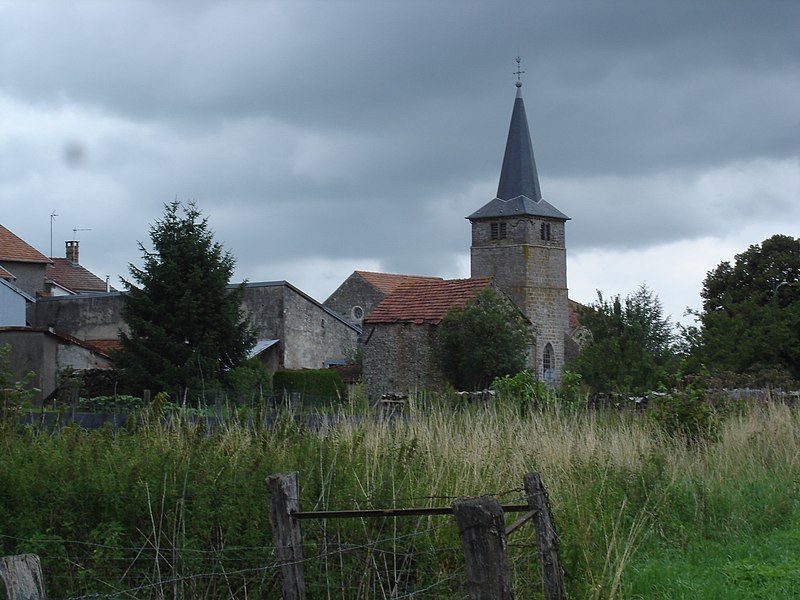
(523,388)
(483,340)
(252,379)
(686,412)
(109,403)
(323,384)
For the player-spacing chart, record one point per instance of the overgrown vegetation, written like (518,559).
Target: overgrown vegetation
(638,509)
(485,339)
(315,384)
(630,348)
(747,333)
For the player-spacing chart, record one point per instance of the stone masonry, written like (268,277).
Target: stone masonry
(533,273)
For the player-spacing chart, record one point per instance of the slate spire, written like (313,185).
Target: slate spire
(518,176)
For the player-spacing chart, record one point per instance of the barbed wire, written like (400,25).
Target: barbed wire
(273,566)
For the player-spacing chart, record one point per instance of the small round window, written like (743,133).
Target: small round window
(358,313)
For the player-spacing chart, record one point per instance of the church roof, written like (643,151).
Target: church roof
(518,193)
(391,282)
(426,301)
(518,177)
(519,206)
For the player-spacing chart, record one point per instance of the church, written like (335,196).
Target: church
(518,247)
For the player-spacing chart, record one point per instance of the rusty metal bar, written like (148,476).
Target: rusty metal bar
(520,522)
(390,512)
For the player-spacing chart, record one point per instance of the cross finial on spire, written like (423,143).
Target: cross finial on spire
(519,72)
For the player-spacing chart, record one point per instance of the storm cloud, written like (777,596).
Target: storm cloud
(323,137)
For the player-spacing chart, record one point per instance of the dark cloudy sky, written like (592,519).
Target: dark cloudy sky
(324,137)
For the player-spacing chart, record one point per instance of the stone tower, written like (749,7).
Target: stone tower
(518,239)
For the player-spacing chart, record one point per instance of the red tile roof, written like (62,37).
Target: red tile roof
(574,314)
(391,282)
(104,346)
(426,301)
(74,277)
(6,275)
(14,249)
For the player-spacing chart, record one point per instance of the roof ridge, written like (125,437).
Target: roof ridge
(361,271)
(426,301)
(10,241)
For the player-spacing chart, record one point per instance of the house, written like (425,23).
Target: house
(66,277)
(13,302)
(23,262)
(400,335)
(362,291)
(46,352)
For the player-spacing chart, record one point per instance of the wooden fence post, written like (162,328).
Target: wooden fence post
(552,572)
(284,493)
(483,538)
(22,576)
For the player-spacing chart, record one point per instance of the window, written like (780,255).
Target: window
(548,363)
(358,313)
(545,231)
(499,231)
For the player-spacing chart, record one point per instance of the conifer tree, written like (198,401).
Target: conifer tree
(187,328)
(630,349)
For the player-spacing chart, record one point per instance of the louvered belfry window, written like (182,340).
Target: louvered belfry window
(499,231)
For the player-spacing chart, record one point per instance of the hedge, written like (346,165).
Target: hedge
(312,383)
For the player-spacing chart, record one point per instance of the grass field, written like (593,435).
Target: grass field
(640,514)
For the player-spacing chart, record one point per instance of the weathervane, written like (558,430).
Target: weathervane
(518,72)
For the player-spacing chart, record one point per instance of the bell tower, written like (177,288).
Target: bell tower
(518,239)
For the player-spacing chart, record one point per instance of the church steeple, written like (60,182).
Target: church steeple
(518,192)
(518,176)
(518,239)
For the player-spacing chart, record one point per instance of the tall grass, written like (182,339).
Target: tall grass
(110,511)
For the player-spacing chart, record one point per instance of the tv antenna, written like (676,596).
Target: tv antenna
(53,216)
(75,231)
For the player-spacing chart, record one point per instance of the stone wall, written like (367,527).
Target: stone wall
(533,273)
(29,276)
(314,338)
(310,337)
(354,292)
(263,305)
(86,316)
(46,354)
(400,357)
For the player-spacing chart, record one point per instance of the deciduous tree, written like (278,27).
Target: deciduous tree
(487,338)
(750,320)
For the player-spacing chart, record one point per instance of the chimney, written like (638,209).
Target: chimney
(72,251)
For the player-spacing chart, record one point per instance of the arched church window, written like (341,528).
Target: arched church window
(545,231)
(548,363)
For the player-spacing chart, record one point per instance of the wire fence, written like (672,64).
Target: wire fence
(162,556)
